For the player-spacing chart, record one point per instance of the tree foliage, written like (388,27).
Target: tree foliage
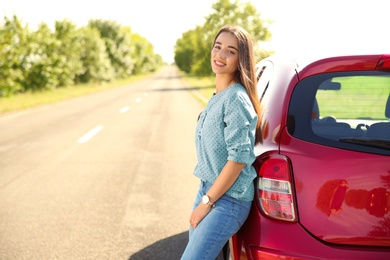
(96,65)
(47,59)
(118,45)
(143,50)
(14,46)
(68,52)
(193,50)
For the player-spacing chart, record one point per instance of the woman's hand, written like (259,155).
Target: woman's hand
(198,214)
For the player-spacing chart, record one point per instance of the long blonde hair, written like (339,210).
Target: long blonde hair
(246,72)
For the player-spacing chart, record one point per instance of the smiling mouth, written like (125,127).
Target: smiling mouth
(219,63)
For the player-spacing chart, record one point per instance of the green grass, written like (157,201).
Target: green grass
(203,86)
(363,96)
(33,99)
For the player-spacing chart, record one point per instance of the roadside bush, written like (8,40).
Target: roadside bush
(46,59)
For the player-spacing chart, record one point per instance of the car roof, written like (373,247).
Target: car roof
(310,64)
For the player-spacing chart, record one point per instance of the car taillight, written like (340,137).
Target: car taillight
(384,63)
(275,188)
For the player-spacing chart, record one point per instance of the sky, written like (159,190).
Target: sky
(335,26)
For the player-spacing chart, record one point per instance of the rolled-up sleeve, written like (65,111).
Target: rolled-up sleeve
(240,121)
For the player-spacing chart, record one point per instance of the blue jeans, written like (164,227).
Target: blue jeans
(212,233)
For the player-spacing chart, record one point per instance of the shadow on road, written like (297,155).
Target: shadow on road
(183,88)
(169,248)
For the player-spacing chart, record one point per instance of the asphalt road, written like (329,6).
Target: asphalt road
(104,176)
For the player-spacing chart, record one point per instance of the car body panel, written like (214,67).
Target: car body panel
(341,194)
(352,63)
(343,206)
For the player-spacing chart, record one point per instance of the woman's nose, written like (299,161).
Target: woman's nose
(221,54)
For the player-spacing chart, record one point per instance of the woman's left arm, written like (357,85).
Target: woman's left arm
(225,180)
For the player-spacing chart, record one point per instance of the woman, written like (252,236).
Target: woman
(226,133)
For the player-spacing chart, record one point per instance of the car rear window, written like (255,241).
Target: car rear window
(344,110)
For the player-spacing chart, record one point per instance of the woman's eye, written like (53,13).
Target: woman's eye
(227,51)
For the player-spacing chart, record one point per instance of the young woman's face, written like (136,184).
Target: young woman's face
(224,54)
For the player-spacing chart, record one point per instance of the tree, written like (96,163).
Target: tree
(197,47)
(184,56)
(68,60)
(96,65)
(43,64)
(146,60)
(118,45)
(46,59)
(13,50)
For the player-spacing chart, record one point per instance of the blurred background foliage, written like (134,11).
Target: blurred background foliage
(105,51)
(193,49)
(43,59)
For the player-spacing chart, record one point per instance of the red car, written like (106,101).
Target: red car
(323,184)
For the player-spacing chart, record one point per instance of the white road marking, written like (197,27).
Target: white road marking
(90,134)
(124,109)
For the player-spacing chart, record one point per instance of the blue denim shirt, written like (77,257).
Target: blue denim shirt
(226,131)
